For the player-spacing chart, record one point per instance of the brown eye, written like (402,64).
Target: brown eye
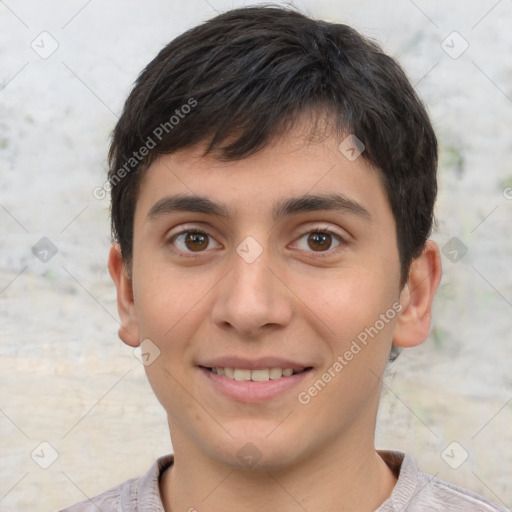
(195,241)
(319,241)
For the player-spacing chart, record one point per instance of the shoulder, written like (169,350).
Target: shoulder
(418,492)
(441,495)
(134,495)
(110,500)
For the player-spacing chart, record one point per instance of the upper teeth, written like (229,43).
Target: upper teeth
(256,375)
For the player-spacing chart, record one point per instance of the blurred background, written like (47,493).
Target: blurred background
(76,413)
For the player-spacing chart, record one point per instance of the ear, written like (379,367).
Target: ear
(129,329)
(417,296)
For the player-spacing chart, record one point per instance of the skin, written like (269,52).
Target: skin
(299,300)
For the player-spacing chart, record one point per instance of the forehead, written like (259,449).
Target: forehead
(272,182)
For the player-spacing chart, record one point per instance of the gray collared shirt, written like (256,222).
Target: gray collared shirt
(414,492)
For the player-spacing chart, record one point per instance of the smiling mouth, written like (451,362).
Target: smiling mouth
(257,375)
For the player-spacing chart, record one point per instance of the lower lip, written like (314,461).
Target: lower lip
(252,391)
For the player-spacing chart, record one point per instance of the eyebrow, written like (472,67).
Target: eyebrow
(290,206)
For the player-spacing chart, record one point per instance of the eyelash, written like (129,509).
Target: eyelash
(318,254)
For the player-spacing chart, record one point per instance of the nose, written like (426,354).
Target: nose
(252,298)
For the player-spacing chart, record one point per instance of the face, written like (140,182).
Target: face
(284,262)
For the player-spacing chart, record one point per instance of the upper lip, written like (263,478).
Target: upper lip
(252,364)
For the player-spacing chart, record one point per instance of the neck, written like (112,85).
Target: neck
(343,477)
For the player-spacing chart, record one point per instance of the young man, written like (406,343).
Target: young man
(273,182)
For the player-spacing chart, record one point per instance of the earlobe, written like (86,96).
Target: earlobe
(417,296)
(128,330)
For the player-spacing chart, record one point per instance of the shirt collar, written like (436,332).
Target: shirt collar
(406,471)
(146,496)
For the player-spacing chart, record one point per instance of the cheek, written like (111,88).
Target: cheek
(350,304)
(361,320)
(165,316)
(165,299)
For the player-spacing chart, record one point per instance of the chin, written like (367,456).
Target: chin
(257,453)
